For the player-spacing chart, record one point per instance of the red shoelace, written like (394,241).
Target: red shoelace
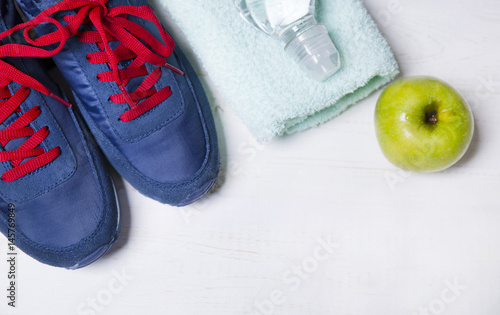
(10,103)
(135,43)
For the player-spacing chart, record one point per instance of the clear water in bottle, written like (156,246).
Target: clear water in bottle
(293,22)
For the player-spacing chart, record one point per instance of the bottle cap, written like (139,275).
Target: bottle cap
(315,53)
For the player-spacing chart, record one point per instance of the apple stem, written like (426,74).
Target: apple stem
(431,117)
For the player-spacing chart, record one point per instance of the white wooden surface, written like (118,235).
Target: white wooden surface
(404,243)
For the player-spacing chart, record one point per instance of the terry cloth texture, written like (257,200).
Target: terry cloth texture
(263,84)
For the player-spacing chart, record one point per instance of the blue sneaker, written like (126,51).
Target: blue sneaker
(140,97)
(57,201)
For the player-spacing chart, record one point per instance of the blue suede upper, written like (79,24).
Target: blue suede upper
(65,211)
(169,153)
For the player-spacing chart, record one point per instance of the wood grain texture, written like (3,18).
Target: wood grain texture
(404,243)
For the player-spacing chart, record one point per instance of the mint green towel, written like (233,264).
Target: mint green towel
(263,85)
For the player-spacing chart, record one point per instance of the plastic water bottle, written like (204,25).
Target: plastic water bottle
(293,22)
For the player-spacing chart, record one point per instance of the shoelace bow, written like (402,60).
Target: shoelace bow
(111,24)
(10,103)
(135,43)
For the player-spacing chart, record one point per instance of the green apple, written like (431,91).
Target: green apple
(423,124)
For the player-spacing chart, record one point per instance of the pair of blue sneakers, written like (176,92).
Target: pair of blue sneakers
(138,101)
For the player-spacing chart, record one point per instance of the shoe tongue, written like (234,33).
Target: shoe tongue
(134,82)
(124,63)
(9,120)
(13,144)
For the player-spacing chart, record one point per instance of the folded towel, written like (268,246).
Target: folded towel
(264,86)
